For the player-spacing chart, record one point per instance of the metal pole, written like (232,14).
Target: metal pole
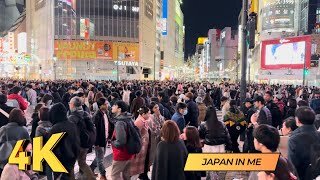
(118,64)
(304,74)
(243,84)
(154,66)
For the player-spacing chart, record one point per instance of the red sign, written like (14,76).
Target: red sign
(286,53)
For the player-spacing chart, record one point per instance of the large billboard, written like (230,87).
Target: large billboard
(82,50)
(164,17)
(126,51)
(286,53)
(277,14)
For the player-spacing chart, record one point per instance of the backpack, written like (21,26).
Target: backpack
(87,131)
(314,167)
(134,143)
(13,103)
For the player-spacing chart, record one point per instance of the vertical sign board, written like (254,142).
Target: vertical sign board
(164,17)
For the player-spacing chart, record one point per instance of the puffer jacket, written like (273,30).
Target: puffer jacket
(217,135)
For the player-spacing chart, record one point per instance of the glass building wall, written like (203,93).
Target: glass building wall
(108,18)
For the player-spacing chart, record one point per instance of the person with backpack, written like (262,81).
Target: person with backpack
(68,148)
(101,120)
(86,132)
(120,141)
(304,145)
(274,109)
(42,130)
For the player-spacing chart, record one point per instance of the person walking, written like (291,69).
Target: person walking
(69,147)
(140,162)
(121,156)
(178,117)
(101,120)
(236,124)
(12,132)
(171,154)
(82,120)
(193,111)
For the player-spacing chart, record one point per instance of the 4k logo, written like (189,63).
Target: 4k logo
(39,153)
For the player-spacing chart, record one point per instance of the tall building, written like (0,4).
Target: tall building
(172,42)
(99,39)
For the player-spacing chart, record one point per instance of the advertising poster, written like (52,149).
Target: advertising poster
(82,50)
(277,14)
(126,51)
(286,53)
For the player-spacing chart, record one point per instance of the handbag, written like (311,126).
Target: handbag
(5,150)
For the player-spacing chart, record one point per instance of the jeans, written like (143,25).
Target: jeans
(98,161)
(86,170)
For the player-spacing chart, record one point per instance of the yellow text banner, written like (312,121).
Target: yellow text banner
(232,162)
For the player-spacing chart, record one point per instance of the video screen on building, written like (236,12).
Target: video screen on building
(289,53)
(286,53)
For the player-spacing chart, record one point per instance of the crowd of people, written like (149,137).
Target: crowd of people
(152,126)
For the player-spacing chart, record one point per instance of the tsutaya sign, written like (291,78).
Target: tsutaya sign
(126,63)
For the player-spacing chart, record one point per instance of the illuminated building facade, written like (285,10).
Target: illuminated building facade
(95,39)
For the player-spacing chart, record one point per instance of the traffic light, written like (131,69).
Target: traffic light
(306,72)
(251,31)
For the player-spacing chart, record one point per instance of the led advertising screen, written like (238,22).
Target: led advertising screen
(277,14)
(286,53)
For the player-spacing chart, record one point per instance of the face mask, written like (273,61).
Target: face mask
(185,112)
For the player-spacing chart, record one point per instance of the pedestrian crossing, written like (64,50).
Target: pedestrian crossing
(107,157)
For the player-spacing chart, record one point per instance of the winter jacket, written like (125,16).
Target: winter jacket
(180,120)
(170,161)
(315,105)
(3,119)
(290,112)
(101,136)
(13,133)
(23,104)
(194,175)
(119,138)
(193,113)
(299,146)
(43,129)
(216,135)
(67,150)
(13,173)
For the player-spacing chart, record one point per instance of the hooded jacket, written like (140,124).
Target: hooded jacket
(67,150)
(119,138)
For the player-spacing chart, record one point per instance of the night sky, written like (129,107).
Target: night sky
(202,15)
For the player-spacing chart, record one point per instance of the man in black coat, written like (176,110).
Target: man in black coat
(67,150)
(102,122)
(3,117)
(301,141)
(193,111)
